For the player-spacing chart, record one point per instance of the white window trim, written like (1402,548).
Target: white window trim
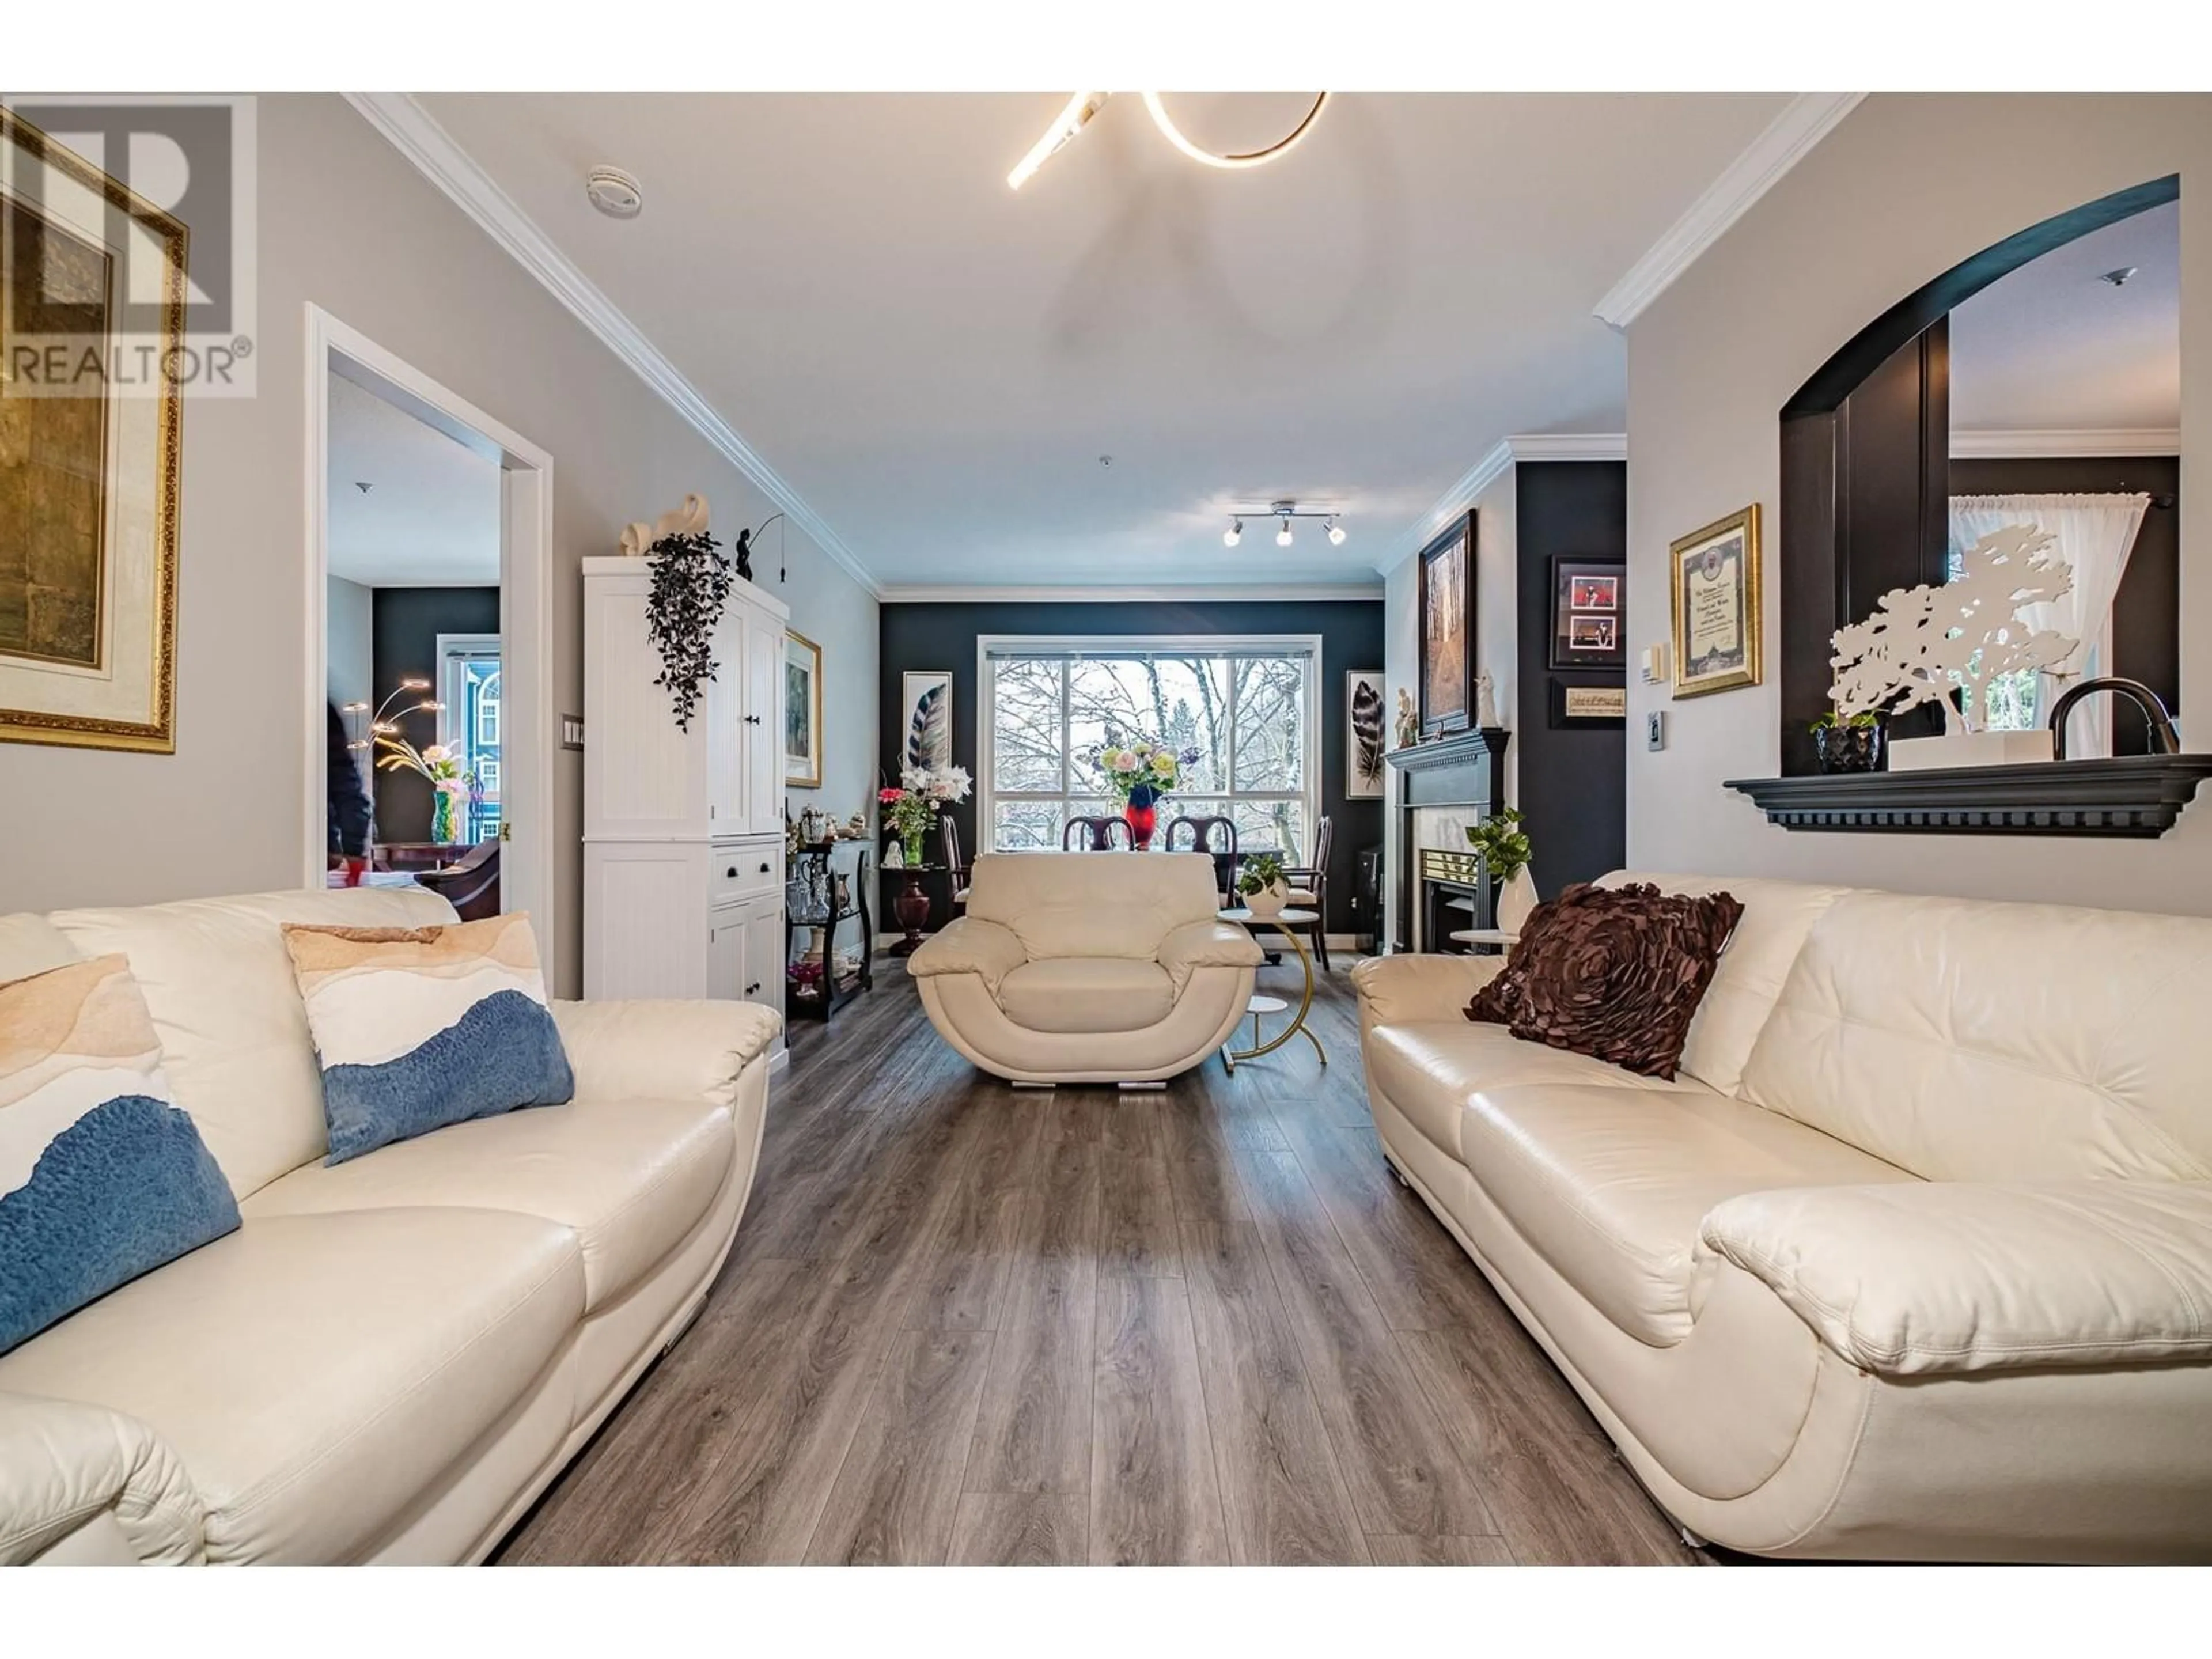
(987,795)
(450,645)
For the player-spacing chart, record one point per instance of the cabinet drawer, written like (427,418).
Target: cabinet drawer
(743,872)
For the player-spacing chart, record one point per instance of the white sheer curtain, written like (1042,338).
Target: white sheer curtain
(2095,535)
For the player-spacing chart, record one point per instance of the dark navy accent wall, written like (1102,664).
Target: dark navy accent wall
(404,633)
(943,637)
(1573,782)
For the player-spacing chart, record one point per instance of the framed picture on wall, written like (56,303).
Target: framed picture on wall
(1714,576)
(1589,613)
(802,711)
(1363,738)
(91,277)
(1446,603)
(1581,707)
(926,700)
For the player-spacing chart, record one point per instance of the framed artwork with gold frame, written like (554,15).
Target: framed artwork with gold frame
(1713,588)
(90,454)
(802,711)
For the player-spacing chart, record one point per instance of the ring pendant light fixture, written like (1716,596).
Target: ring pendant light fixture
(1085,104)
(1284,511)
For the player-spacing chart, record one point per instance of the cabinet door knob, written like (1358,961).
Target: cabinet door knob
(730,874)
(764,870)
(752,719)
(753,989)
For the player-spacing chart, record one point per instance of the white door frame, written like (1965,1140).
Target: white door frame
(525,561)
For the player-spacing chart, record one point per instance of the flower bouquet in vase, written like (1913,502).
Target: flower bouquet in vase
(1141,773)
(911,810)
(449,785)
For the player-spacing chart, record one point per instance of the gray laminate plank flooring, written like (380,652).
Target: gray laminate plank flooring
(965,1325)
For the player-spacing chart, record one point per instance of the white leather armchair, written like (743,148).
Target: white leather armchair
(1088,967)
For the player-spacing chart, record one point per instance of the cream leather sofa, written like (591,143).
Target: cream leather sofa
(1088,967)
(391,1358)
(1913,1260)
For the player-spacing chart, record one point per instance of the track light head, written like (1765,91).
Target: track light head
(1335,533)
(1283,535)
(1234,534)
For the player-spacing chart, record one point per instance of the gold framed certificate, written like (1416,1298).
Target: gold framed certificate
(1715,589)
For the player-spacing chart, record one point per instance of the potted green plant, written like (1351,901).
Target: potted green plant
(1848,743)
(1506,853)
(1262,885)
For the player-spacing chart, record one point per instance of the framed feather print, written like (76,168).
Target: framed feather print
(1363,724)
(926,698)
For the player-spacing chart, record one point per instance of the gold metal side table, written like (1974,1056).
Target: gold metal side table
(1282,923)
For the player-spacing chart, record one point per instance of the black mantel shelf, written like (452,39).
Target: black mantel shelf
(2139,795)
(1460,749)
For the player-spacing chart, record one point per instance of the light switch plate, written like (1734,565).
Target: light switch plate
(1654,730)
(572,731)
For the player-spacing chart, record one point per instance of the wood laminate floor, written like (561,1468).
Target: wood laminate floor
(971,1325)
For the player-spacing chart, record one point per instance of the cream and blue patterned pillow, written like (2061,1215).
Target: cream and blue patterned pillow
(101,1179)
(416,1028)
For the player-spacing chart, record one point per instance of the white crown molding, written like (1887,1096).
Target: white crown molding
(1570,446)
(1200,593)
(2019,445)
(412,132)
(1509,451)
(1808,119)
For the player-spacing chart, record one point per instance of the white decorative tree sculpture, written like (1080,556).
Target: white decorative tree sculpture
(1923,641)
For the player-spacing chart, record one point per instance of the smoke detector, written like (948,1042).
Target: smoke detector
(614,192)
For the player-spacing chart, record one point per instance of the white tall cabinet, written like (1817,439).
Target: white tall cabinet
(682,831)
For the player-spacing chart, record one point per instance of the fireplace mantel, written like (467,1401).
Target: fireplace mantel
(1465,770)
(1485,747)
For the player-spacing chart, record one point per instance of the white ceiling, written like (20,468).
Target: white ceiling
(2050,348)
(430,517)
(936,363)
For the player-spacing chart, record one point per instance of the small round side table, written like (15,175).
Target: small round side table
(1282,923)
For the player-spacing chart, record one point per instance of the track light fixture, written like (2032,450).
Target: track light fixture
(1282,513)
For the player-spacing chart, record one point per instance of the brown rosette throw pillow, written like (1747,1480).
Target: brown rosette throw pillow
(1613,973)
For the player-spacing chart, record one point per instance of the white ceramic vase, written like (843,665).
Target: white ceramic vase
(1268,903)
(1516,899)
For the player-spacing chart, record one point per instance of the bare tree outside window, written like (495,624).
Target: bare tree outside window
(1245,711)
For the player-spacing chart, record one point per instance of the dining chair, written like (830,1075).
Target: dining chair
(957,868)
(1310,890)
(1211,833)
(1098,835)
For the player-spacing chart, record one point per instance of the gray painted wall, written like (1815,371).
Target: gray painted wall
(348,663)
(347,224)
(1906,187)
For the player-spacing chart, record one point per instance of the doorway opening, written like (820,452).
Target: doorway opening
(428,542)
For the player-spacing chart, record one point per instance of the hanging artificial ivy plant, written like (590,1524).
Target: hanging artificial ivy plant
(690,585)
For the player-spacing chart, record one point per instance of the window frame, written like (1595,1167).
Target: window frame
(1070,647)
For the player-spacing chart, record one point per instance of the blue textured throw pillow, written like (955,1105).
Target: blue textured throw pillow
(416,1028)
(101,1179)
